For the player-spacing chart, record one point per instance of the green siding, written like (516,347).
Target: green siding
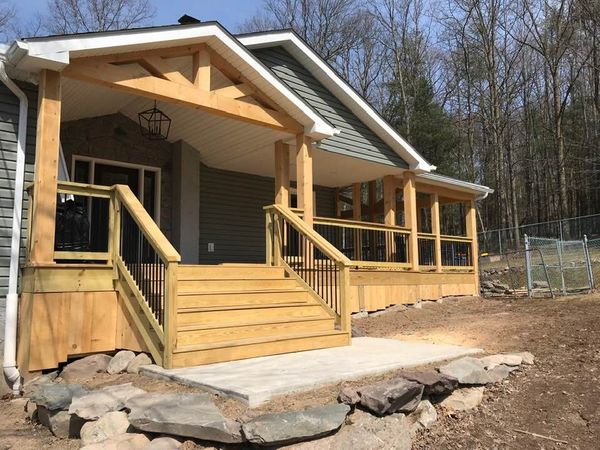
(232,216)
(356,139)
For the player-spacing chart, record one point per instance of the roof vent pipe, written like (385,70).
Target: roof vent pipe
(11,372)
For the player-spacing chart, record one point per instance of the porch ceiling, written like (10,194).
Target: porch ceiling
(223,143)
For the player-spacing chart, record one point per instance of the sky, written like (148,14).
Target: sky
(230,13)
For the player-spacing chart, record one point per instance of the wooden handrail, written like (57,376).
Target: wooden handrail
(322,244)
(88,190)
(156,237)
(359,224)
(445,237)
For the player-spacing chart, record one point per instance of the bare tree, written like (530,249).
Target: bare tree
(76,16)
(7,15)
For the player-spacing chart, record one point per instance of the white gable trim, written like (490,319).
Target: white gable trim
(326,75)
(54,53)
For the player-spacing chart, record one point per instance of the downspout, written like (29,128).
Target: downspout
(11,372)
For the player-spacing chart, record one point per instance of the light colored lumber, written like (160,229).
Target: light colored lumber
(357,201)
(201,69)
(170,316)
(436,230)
(410,218)
(282,174)
(471,222)
(162,68)
(304,177)
(43,208)
(235,91)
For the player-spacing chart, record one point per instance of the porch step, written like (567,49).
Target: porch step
(193,334)
(206,272)
(228,285)
(190,355)
(237,298)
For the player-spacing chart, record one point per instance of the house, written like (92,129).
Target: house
(208,197)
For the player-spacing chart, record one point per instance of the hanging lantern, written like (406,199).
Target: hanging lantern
(154,124)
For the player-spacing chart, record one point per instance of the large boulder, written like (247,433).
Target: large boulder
(126,441)
(33,385)
(59,422)
(110,424)
(434,383)
(93,405)
(489,362)
(189,415)
(120,361)
(391,396)
(140,360)
(463,399)
(54,396)
(85,368)
(296,426)
(349,396)
(499,373)
(467,370)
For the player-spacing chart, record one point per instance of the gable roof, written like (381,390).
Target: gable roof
(55,52)
(304,54)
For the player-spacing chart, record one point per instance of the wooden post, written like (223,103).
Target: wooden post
(357,201)
(471,225)
(345,310)
(43,208)
(304,177)
(410,219)
(389,214)
(372,199)
(269,238)
(282,174)
(201,69)
(435,229)
(170,327)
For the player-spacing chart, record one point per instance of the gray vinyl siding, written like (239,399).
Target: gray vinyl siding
(9,122)
(232,217)
(356,139)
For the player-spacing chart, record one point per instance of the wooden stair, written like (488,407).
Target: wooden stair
(231,312)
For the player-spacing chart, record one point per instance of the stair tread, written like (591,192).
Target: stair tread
(234,307)
(228,280)
(260,340)
(257,323)
(242,291)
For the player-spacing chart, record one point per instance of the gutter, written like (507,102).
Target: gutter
(11,373)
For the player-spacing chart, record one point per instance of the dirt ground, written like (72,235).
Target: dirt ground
(558,397)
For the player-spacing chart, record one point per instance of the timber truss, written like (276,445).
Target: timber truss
(161,75)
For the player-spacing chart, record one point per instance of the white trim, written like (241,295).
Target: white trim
(141,169)
(55,52)
(440,180)
(359,106)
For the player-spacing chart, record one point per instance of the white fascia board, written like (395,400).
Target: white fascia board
(55,53)
(291,42)
(479,190)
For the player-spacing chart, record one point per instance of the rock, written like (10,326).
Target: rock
(434,383)
(140,360)
(189,415)
(349,396)
(296,426)
(424,416)
(31,410)
(541,285)
(127,441)
(54,396)
(527,357)
(463,399)
(120,361)
(366,432)
(501,286)
(33,385)
(360,315)
(356,332)
(489,362)
(391,396)
(499,373)
(418,305)
(85,368)
(109,425)
(59,422)
(164,443)
(487,285)
(467,370)
(95,404)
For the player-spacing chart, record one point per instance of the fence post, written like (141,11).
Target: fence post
(528,267)
(560,265)
(588,262)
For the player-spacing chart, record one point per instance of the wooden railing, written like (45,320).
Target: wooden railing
(366,243)
(109,225)
(427,256)
(311,259)
(456,252)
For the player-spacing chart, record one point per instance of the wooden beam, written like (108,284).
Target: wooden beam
(471,225)
(201,69)
(132,57)
(43,213)
(443,192)
(235,91)
(410,218)
(134,81)
(304,177)
(436,230)
(389,199)
(357,201)
(372,200)
(161,68)
(282,174)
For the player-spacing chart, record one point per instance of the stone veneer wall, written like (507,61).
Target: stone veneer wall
(117,138)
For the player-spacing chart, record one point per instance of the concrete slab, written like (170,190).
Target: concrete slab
(257,380)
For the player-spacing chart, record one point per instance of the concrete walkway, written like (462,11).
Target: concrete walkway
(255,381)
